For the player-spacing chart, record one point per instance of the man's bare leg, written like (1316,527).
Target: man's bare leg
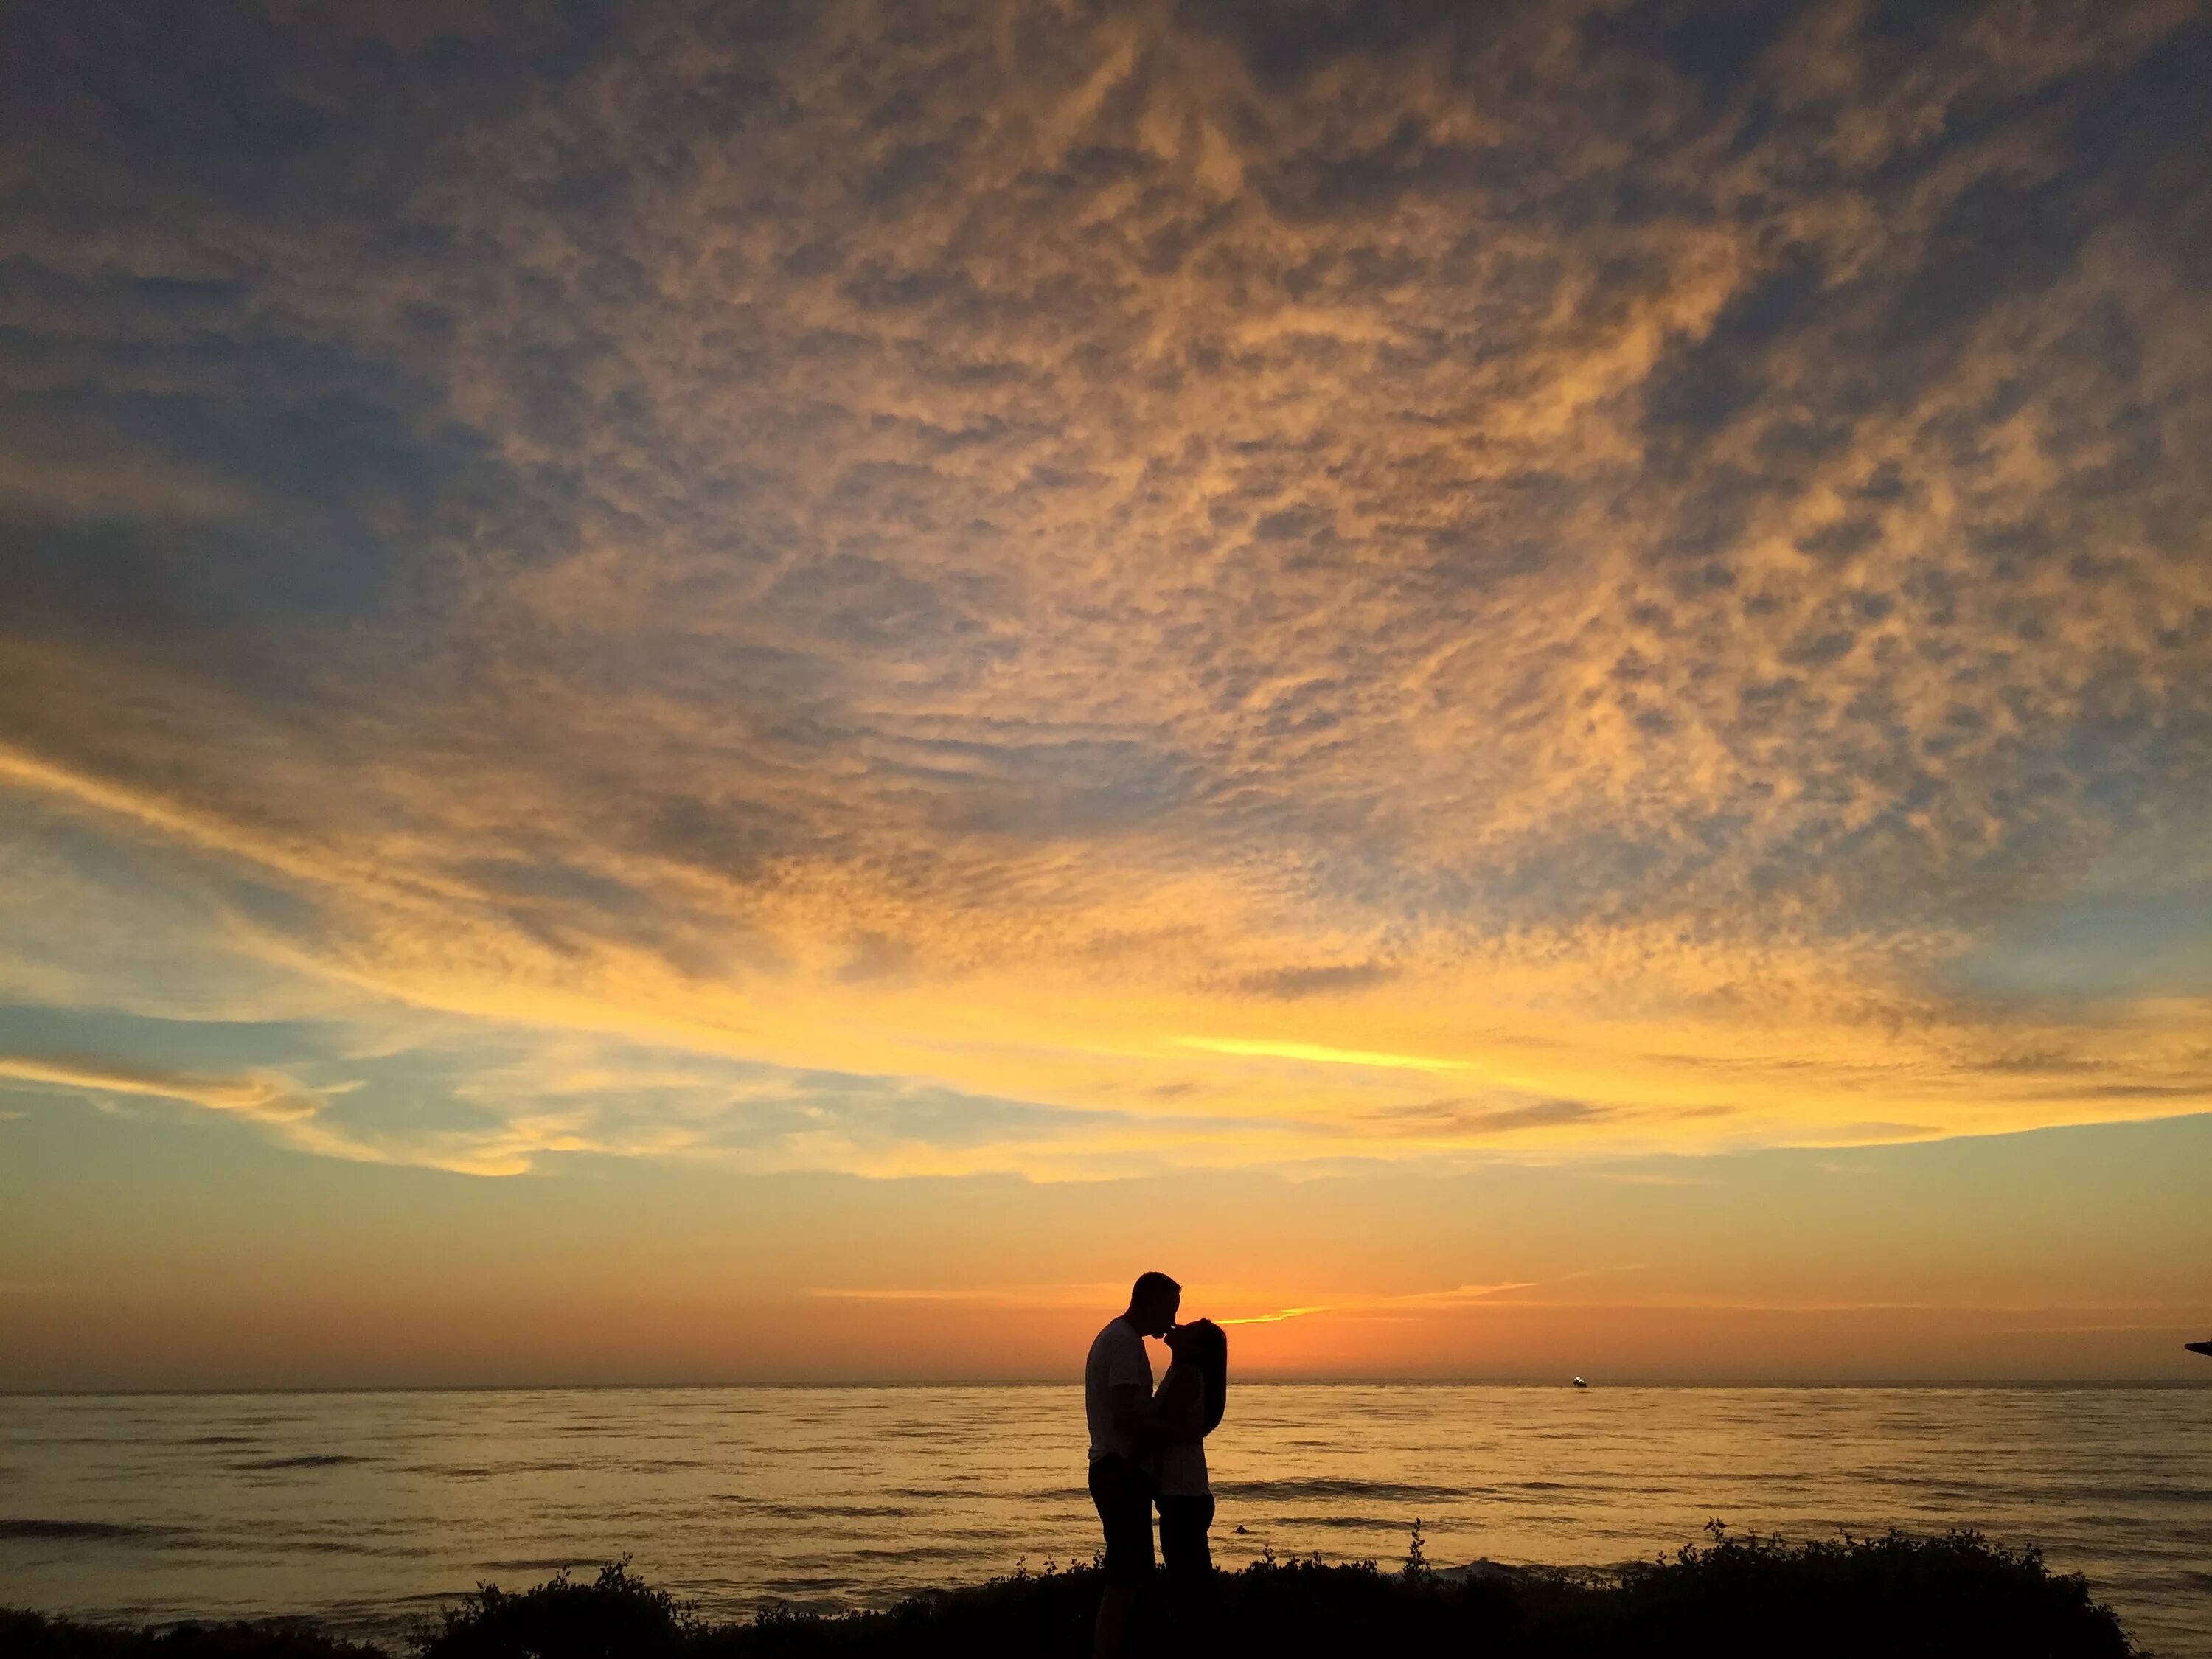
(1109,1637)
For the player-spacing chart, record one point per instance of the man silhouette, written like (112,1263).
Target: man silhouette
(1117,1400)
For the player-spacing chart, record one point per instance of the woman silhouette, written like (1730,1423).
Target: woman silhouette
(1187,1408)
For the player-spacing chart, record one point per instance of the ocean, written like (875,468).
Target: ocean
(371,1510)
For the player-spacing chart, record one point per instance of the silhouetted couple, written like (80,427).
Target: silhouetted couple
(1148,1448)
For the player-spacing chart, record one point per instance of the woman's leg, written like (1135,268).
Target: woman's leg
(1184,1547)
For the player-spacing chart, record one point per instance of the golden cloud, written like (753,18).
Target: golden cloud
(1220,591)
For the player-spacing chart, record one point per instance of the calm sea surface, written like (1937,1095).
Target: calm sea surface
(369,1508)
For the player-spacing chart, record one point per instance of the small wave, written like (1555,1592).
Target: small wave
(2192,1496)
(928,1552)
(221,1440)
(1345,1522)
(117,1531)
(1383,1491)
(783,1510)
(546,1563)
(875,1511)
(444,1598)
(306,1460)
(340,1546)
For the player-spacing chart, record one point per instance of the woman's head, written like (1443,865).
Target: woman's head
(1197,1340)
(1204,1344)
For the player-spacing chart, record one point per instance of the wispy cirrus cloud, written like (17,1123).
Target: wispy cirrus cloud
(1187,570)
(301,1118)
(263,1100)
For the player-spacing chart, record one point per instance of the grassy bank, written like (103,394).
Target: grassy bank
(1952,1596)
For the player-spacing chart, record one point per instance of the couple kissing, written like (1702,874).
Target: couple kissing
(1149,1448)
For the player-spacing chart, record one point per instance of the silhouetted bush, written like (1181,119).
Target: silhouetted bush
(28,1635)
(614,1614)
(1898,1597)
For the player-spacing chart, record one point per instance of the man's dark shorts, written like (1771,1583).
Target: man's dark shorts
(1124,1498)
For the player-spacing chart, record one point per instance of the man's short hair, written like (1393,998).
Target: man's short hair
(1153,1288)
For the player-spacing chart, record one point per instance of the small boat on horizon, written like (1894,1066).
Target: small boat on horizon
(1579,1383)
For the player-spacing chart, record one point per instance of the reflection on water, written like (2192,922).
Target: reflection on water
(368,1508)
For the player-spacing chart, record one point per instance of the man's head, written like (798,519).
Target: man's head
(1153,1302)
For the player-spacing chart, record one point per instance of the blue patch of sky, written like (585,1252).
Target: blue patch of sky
(2095,945)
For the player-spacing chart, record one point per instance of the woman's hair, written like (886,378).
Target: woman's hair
(1206,1345)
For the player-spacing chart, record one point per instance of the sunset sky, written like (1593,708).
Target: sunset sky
(757,690)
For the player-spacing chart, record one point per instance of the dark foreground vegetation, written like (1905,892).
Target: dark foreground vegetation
(1952,1596)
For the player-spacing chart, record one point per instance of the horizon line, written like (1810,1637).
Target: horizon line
(1273,1380)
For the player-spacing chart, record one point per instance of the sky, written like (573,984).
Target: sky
(721,692)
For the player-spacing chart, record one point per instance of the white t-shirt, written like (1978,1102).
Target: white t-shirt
(1117,1357)
(1182,1471)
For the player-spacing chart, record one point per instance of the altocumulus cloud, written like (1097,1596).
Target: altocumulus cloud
(1039,582)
